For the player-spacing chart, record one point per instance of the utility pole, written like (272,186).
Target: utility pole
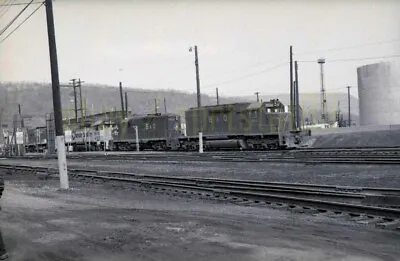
(74,86)
(294,106)
(348,101)
(155,105)
(15,129)
(122,99)
(291,86)
(62,161)
(216,89)
(167,124)
(296,96)
(82,107)
(321,62)
(196,62)
(339,116)
(338,113)
(75,99)
(126,105)
(20,115)
(257,93)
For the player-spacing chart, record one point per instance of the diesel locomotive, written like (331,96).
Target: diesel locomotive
(244,126)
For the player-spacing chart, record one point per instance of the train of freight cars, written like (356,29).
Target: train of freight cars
(238,126)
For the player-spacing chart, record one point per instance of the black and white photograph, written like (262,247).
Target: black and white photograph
(218,130)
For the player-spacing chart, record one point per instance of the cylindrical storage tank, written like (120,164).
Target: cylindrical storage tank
(379,93)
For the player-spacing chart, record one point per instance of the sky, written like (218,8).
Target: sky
(243,45)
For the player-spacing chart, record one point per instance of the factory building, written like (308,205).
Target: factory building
(379,93)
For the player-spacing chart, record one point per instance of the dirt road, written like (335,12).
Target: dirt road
(100,222)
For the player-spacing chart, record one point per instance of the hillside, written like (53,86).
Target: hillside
(36,101)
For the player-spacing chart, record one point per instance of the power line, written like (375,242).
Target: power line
(16,28)
(350,47)
(366,58)
(326,50)
(5,10)
(245,76)
(254,65)
(15,18)
(356,59)
(16,4)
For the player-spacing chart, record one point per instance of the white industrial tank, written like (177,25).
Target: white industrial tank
(379,93)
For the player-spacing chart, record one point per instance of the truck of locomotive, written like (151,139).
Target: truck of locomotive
(245,126)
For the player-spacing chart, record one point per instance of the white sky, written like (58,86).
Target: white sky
(145,43)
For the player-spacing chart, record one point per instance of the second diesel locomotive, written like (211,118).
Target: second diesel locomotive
(155,132)
(246,126)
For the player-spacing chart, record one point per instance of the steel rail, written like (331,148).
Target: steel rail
(247,192)
(288,199)
(221,181)
(284,159)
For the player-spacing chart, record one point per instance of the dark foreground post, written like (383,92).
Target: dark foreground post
(3,251)
(62,161)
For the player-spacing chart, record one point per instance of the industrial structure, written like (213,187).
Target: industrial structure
(379,93)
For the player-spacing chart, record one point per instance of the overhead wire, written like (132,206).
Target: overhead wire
(4,4)
(326,50)
(6,8)
(16,4)
(330,50)
(350,47)
(16,28)
(15,18)
(218,83)
(302,61)
(244,76)
(353,59)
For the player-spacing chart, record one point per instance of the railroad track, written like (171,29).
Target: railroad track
(316,159)
(376,206)
(243,159)
(308,156)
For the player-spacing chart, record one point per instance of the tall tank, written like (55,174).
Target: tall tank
(379,93)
